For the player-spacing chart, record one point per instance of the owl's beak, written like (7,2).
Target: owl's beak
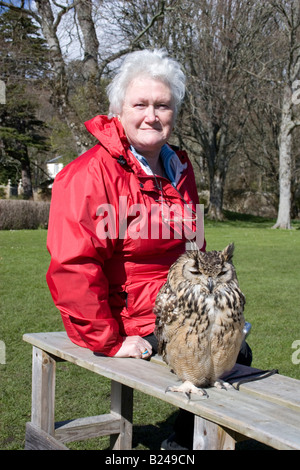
(210,284)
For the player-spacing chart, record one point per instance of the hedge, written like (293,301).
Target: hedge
(18,214)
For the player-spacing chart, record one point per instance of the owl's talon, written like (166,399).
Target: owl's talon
(187,388)
(221,385)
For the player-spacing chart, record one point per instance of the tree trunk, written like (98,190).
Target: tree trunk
(60,88)
(285,162)
(91,43)
(290,13)
(26,175)
(217,166)
(215,208)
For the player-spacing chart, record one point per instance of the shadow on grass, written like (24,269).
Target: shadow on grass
(151,436)
(248,220)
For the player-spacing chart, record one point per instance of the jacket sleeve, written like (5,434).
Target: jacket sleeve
(75,276)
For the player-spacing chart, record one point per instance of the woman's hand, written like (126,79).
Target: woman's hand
(135,346)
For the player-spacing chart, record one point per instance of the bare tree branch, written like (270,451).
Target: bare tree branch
(135,40)
(25,11)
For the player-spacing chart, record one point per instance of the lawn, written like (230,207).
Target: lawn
(267,263)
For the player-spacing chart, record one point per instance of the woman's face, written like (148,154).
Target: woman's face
(148,115)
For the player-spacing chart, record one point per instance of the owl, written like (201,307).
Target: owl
(199,319)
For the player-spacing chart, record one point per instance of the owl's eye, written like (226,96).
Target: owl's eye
(194,270)
(223,272)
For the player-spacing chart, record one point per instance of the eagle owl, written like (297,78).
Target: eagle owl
(199,319)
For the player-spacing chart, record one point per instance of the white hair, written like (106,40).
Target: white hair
(152,64)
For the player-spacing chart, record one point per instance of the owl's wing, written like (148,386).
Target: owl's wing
(166,312)
(227,337)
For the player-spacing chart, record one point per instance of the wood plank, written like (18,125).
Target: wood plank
(277,388)
(248,414)
(86,428)
(43,390)
(210,436)
(37,439)
(122,408)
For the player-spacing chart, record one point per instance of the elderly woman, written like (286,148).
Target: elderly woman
(110,242)
(117,216)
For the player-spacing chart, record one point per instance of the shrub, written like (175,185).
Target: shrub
(18,214)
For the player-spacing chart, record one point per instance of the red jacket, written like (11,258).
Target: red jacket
(107,261)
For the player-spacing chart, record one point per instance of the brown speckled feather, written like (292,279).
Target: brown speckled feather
(200,320)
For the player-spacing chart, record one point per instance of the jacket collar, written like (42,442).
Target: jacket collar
(110,133)
(172,165)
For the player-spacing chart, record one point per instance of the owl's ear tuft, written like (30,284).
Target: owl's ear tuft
(228,252)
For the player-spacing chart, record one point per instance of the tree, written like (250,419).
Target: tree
(220,40)
(22,56)
(19,131)
(49,15)
(234,54)
(289,12)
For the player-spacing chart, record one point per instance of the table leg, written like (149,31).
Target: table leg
(43,390)
(211,436)
(122,405)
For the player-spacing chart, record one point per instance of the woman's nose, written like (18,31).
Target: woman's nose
(151,114)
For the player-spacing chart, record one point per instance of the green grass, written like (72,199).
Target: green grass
(268,267)
(267,263)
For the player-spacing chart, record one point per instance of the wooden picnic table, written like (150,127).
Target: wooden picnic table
(266,410)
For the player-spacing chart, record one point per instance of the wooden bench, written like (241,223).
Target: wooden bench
(267,410)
